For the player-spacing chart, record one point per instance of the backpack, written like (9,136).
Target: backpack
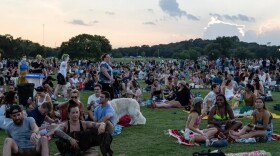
(209,153)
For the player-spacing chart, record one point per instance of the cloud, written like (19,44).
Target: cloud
(109,13)
(217,28)
(150,10)
(269,32)
(149,23)
(78,22)
(94,22)
(237,17)
(272,36)
(171,7)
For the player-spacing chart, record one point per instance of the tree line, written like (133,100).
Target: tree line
(93,46)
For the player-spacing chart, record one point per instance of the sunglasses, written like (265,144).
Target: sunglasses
(74,97)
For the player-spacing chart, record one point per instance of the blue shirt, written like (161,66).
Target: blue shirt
(100,112)
(39,118)
(21,133)
(217,80)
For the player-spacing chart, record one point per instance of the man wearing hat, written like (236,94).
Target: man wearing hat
(23,135)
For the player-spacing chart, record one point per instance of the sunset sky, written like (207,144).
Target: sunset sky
(141,22)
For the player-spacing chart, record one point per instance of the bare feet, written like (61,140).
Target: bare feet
(233,136)
(232,132)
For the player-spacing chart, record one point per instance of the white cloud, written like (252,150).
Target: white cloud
(217,28)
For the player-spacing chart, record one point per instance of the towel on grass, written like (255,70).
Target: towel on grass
(253,153)
(179,135)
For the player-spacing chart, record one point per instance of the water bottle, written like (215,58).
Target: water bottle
(241,98)
(187,134)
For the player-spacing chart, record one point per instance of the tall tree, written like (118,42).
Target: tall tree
(86,46)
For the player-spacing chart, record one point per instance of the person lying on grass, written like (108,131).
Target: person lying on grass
(182,99)
(221,116)
(193,122)
(261,125)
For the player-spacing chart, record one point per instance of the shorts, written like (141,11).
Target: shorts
(60,79)
(27,151)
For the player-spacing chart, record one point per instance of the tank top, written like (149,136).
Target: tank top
(249,101)
(38,100)
(81,127)
(228,93)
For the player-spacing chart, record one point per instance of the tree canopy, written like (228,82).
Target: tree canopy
(86,46)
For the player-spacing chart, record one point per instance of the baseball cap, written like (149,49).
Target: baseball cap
(197,100)
(40,89)
(14,109)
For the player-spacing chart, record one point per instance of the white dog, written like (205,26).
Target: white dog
(128,106)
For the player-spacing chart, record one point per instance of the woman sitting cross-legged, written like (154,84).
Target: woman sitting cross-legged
(261,125)
(76,136)
(193,122)
(221,116)
(182,99)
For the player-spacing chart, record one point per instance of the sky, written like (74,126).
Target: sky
(141,22)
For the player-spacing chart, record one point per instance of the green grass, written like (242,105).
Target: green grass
(150,139)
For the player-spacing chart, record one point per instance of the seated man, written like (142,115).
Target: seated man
(40,114)
(105,112)
(93,101)
(76,136)
(23,135)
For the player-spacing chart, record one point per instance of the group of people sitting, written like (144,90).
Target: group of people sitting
(222,122)
(30,127)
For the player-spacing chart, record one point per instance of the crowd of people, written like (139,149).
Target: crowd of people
(165,82)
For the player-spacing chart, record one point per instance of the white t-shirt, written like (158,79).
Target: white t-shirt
(62,68)
(95,99)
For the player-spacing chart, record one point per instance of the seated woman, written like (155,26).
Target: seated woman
(193,122)
(40,97)
(157,91)
(182,100)
(258,87)
(228,90)
(134,91)
(249,98)
(221,116)
(261,125)
(76,136)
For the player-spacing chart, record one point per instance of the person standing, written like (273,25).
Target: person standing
(38,66)
(23,135)
(23,68)
(106,75)
(61,77)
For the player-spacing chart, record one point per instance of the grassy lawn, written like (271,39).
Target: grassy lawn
(150,139)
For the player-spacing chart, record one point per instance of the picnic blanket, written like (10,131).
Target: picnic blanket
(253,153)
(179,135)
(244,115)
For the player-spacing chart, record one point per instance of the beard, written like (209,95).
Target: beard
(18,121)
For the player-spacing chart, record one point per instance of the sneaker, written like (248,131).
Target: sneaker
(153,105)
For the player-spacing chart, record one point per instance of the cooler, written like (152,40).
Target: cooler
(35,78)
